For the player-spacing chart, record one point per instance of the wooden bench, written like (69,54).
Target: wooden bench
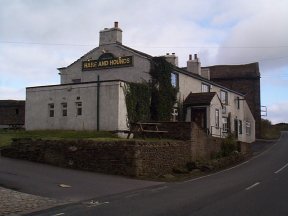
(141,129)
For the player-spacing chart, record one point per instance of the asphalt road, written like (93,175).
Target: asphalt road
(257,187)
(63,184)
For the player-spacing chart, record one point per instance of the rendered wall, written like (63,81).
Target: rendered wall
(112,110)
(189,84)
(137,73)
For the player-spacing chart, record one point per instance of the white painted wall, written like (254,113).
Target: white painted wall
(137,73)
(188,84)
(112,107)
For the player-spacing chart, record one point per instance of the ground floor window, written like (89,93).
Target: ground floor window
(64,109)
(248,128)
(79,108)
(51,109)
(240,127)
(217,118)
(225,125)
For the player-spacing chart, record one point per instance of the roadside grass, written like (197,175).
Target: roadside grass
(271,134)
(6,136)
(270,131)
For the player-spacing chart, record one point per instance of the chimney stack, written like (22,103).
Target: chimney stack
(173,59)
(194,66)
(111,35)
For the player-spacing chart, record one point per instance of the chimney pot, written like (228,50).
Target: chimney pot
(190,57)
(195,56)
(115,24)
(173,53)
(167,53)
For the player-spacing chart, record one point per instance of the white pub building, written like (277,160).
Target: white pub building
(91,94)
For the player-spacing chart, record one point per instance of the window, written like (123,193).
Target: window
(225,124)
(64,109)
(248,128)
(79,108)
(174,80)
(205,87)
(51,110)
(240,127)
(224,110)
(217,118)
(17,111)
(224,97)
(238,102)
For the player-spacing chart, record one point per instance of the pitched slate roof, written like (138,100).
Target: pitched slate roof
(197,99)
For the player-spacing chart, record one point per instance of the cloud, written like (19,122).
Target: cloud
(278,112)
(12,94)
(262,36)
(221,32)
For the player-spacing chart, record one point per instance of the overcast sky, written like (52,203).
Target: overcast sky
(38,36)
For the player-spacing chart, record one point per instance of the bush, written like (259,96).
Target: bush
(228,146)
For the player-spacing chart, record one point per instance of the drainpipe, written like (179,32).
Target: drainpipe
(98,102)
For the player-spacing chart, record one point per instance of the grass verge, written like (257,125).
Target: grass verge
(6,136)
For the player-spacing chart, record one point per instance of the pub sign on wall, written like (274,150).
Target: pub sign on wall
(108,61)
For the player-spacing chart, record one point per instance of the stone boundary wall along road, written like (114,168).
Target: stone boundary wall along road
(127,157)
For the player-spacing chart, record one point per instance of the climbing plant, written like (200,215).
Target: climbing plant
(163,94)
(152,100)
(138,97)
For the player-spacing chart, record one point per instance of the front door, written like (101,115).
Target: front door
(199,116)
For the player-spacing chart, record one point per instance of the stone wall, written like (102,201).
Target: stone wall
(203,146)
(130,158)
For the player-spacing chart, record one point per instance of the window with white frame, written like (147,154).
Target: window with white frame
(51,109)
(217,118)
(224,97)
(248,128)
(225,124)
(175,80)
(205,87)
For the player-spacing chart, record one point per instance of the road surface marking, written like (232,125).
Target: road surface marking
(64,186)
(58,214)
(93,203)
(252,186)
(281,168)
